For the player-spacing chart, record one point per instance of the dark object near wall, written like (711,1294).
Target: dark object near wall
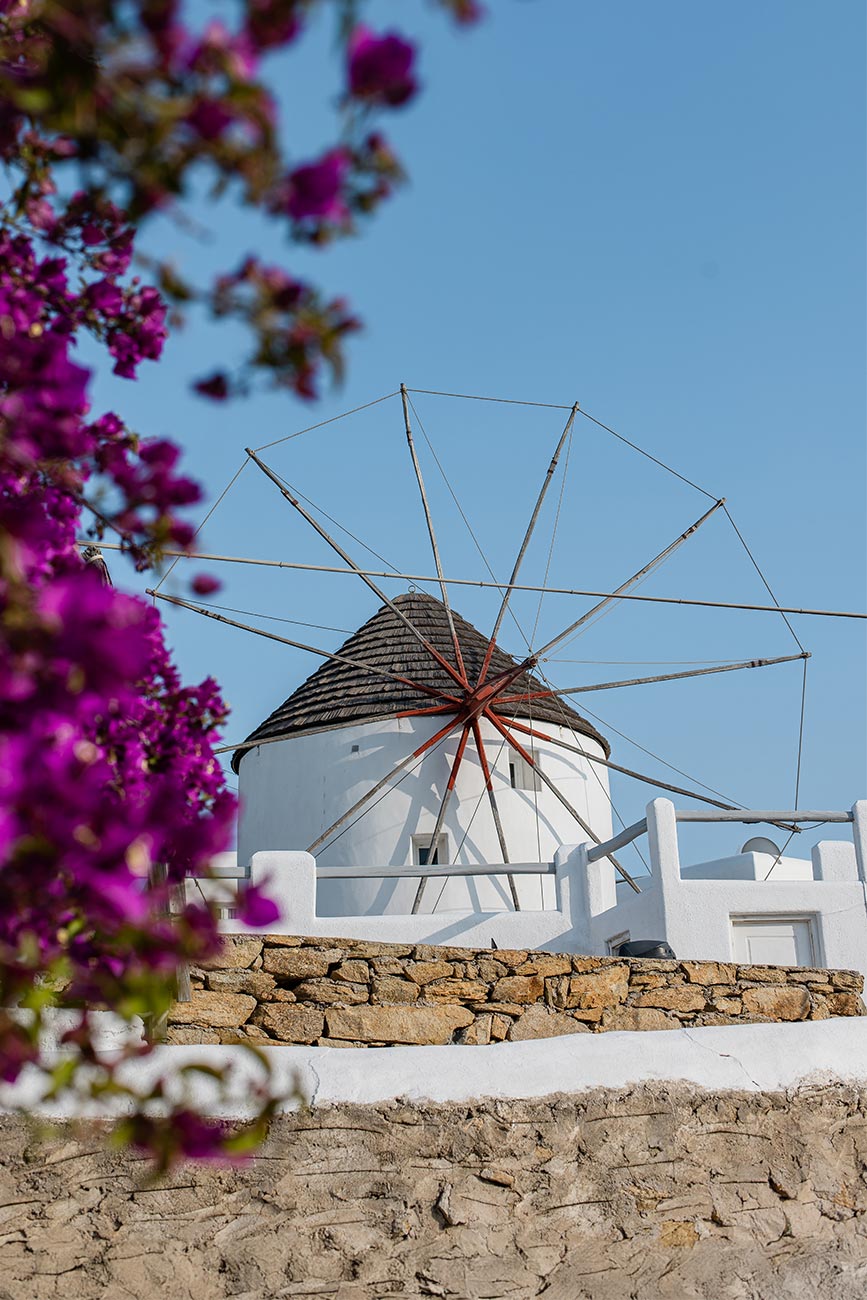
(645,948)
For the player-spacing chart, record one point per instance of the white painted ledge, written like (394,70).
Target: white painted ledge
(751,1058)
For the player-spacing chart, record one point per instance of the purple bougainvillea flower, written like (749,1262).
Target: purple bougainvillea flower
(220,50)
(380,68)
(205,584)
(316,189)
(255,908)
(98,633)
(209,118)
(216,387)
(104,296)
(271,23)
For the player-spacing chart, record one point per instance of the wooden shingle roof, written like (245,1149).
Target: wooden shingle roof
(340,695)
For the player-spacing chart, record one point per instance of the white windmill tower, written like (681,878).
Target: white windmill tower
(420,741)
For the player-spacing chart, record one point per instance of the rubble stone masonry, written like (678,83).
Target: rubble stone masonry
(654,1192)
(355,993)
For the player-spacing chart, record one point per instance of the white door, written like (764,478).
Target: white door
(774,941)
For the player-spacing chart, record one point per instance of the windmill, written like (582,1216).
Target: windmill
(425,664)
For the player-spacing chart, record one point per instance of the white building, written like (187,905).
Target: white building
(343,786)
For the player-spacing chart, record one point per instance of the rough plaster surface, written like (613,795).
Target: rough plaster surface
(661,1192)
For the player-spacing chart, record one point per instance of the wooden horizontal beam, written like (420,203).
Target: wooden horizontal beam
(433,870)
(762,815)
(497,586)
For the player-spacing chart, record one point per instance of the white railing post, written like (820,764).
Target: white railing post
(859,835)
(600,883)
(290,879)
(572,901)
(662,839)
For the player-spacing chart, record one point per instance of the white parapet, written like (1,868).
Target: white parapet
(290,878)
(702,910)
(740,1058)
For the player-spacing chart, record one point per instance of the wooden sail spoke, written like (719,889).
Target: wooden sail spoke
(625,771)
(495,811)
(380,785)
(300,645)
(637,776)
(525,543)
(630,582)
(546,781)
(435,708)
(335,546)
(515,725)
(459,659)
(645,681)
(433,850)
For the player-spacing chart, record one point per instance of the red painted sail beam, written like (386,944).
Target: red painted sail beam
(546,780)
(436,708)
(433,849)
(495,811)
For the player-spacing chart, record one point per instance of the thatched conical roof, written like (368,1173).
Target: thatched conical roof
(340,695)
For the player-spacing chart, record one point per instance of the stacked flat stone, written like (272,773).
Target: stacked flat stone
(354,993)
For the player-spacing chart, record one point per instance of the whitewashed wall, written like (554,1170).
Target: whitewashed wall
(692,908)
(292,790)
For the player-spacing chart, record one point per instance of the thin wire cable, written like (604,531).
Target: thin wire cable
(592,617)
(506,401)
(322,423)
(553,534)
(337,524)
(610,607)
(801,735)
(592,767)
(776,861)
(610,727)
(511,401)
(755,565)
(451,491)
(800,646)
(501,587)
(642,452)
(274,618)
(232,481)
(650,663)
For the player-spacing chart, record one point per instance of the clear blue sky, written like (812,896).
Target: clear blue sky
(658,211)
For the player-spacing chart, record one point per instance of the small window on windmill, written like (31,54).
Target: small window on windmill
(521,775)
(423,855)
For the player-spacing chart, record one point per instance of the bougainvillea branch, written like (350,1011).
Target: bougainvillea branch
(110,792)
(139,108)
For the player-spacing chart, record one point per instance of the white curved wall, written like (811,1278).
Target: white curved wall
(292,790)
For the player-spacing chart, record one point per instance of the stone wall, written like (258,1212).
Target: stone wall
(656,1192)
(354,993)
